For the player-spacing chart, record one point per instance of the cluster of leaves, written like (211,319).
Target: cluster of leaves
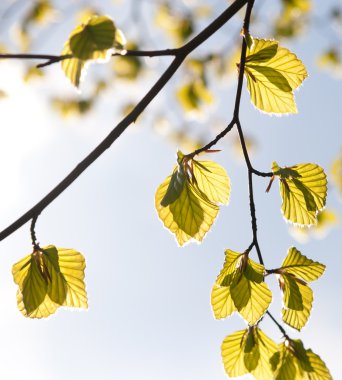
(252,351)
(48,278)
(187,204)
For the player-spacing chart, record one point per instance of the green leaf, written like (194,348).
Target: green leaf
(48,279)
(212,180)
(301,267)
(186,201)
(72,67)
(175,188)
(303,189)
(293,361)
(188,217)
(250,294)
(94,39)
(248,351)
(222,302)
(295,271)
(242,289)
(297,298)
(273,72)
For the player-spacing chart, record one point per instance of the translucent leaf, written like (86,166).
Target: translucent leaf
(186,202)
(94,39)
(248,351)
(297,298)
(222,302)
(293,361)
(212,180)
(250,294)
(175,188)
(272,74)
(286,366)
(300,266)
(242,289)
(232,351)
(190,216)
(232,261)
(303,189)
(48,279)
(72,67)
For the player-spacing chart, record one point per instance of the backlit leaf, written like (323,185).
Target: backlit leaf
(293,361)
(301,267)
(72,67)
(273,72)
(297,298)
(222,302)
(240,286)
(303,189)
(48,279)
(294,274)
(94,39)
(248,351)
(212,180)
(187,201)
(190,216)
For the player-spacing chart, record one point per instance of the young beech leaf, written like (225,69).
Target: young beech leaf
(72,67)
(303,189)
(295,272)
(187,201)
(48,279)
(293,361)
(240,287)
(272,73)
(248,351)
(95,40)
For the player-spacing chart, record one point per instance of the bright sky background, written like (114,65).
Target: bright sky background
(149,315)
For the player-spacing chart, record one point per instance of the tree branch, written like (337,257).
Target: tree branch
(182,53)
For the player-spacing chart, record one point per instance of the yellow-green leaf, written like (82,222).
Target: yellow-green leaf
(303,189)
(293,361)
(187,201)
(222,302)
(212,180)
(240,287)
(232,351)
(273,72)
(248,351)
(72,67)
(250,294)
(50,278)
(94,39)
(297,299)
(301,267)
(190,216)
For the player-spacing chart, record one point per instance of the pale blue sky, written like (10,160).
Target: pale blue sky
(149,311)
